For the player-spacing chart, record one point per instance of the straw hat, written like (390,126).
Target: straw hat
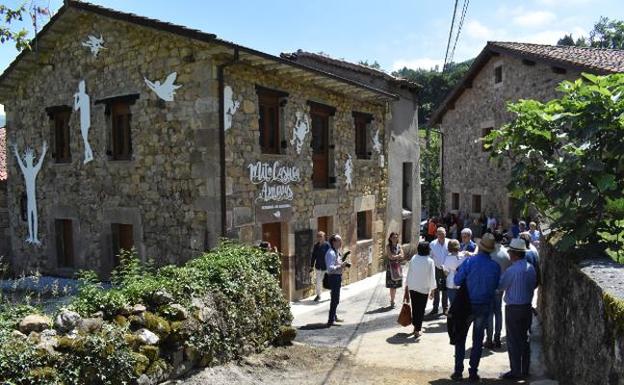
(487,243)
(517,244)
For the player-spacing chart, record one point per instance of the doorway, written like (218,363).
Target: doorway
(324,224)
(272,233)
(123,239)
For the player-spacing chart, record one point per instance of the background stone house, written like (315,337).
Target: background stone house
(4,213)
(250,146)
(404,201)
(503,72)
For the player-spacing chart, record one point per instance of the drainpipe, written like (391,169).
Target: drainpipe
(220,78)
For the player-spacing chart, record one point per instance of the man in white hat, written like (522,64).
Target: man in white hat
(518,282)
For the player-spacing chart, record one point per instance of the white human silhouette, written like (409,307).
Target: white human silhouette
(30,171)
(94,44)
(82,101)
(376,142)
(166,90)
(302,127)
(348,171)
(230,107)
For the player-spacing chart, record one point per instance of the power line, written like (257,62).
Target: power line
(459,28)
(448,44)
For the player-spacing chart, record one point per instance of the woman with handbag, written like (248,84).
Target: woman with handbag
(394,270)
(420,284)
(335,262)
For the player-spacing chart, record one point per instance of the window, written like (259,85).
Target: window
(362,137)
(64,243)
(407,186)
(455,201)
(485,132)
(269,122)
(122,139)
(559,70)
(59,134)
(364,225)
(476,203)
(319,115)
(123,239)
(498,74)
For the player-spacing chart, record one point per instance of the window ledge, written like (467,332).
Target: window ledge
(361,242)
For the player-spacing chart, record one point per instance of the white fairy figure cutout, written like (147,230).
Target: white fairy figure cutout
(166,90)
(231,106)
(348,171)
(301,129)
(30,171)
(94,44)
(376,142)
(82,101)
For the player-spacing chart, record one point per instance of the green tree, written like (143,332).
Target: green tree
(566,40)
(605,34)
(374,65)
(15,15)
(430,171)
(568,157)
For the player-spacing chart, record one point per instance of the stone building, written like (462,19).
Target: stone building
(403,211)
(4,213)
(165,139)
(502,73)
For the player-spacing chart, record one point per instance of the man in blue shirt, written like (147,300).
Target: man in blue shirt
(467,243)
(481,276)
(518,282)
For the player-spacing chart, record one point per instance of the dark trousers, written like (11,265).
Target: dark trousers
(419,302)
(479,316)
(518,322)
(495,322)
(335,281)
(440,277)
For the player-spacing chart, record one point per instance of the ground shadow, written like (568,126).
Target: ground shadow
(382,309)
(485,352)
(402,339)
(497,381)
(311,302)
(438,327)
(314,326)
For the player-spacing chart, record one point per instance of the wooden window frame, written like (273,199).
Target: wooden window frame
(323,112)
(60,133)
(267,100)
(114,108)
(498,74)
(365,232)
(454,201)
(477,203)
(361,122)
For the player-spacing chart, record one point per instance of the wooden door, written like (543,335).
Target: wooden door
(272,233)
(123,239)
(320,149)
(64,243)
(324,225)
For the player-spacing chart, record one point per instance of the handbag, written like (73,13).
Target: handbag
(405,316)
(396,271)
(326,281)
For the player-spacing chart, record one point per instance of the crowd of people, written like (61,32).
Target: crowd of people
(468,273)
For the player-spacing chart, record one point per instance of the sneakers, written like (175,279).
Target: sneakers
(392,305)
(474,377)
(338,320)
(510,376)
(317,298)
(457,376)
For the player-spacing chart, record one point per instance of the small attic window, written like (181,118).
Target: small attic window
(559,70)
(498,74)
(528,62)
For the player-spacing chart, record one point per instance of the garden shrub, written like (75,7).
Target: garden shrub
(232,305)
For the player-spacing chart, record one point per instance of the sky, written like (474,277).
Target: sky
(395,33)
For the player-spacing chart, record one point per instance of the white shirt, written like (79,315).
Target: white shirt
(421,274)
(439,252)
(451,263)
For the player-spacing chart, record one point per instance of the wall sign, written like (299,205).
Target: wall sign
(166,90)
(301,129)
(30,171)
(82,102)
(230,107)
(275,179)
(94,44)
(348,171)
(304,242)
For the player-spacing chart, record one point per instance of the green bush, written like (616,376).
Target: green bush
(231,294)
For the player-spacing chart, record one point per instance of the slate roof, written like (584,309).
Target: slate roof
(246,54)
(3,154)
(324,58)
(599,61)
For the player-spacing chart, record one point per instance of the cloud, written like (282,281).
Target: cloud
(422,63)
(476,30)
(534,19)
(559,3)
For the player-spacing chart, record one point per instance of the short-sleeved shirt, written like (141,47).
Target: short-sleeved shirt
(439,251)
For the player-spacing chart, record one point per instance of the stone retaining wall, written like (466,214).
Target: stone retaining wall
(583,329)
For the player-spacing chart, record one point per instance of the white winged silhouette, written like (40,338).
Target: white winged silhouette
(166,90)
(94,44)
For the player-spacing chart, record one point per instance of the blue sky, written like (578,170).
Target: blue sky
(396,33)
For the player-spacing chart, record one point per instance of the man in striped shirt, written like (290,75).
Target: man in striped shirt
(518,282)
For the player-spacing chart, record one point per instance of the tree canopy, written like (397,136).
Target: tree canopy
(10,16)
(605,34)
(568,157)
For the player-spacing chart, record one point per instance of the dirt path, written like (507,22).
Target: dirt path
(369,348)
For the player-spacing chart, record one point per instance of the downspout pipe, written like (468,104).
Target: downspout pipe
(221,80)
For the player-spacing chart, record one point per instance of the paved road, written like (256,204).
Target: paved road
(370,337)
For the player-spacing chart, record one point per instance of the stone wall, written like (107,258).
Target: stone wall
(467,168)
(4,223)
(582,311)
(168,191)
